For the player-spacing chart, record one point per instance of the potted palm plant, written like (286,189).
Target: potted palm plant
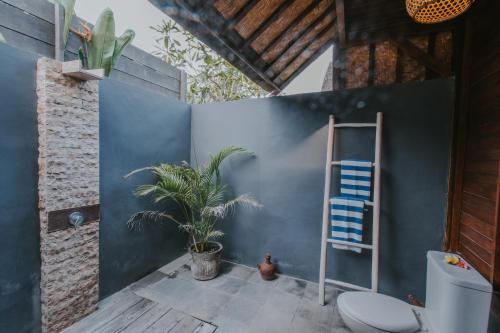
(202,198)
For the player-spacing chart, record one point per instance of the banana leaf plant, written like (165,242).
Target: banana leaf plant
(100,48)
(199,193)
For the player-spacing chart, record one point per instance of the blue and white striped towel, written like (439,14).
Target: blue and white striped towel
(355,179)
(347,221)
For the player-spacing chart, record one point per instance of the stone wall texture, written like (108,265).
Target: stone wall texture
(387,57)
(68,126)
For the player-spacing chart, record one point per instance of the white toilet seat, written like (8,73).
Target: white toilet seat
(367,312)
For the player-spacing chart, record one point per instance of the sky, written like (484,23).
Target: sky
(140,15)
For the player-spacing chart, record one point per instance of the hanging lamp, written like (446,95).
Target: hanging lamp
(435,11)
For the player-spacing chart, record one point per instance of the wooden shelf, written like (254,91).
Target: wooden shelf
(75,70)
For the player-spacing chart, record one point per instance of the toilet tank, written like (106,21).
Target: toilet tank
(457,299)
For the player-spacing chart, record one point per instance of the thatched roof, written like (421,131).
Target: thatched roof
(272,41)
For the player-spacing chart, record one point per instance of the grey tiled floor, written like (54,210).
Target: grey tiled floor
(237,301)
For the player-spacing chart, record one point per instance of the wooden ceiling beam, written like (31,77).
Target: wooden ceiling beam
(311,27)
(306,64)
(297,20)
(340,10)
(394,31)
(423,58)
(231,23)
(292,59)
(210,30)
(270,20)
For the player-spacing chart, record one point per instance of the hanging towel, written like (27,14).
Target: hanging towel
(355,179)
(347,221)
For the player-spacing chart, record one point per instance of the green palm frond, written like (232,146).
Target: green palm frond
(137,220)
(131,173)
(198,192)
(215,234)
(212,167)
(229,207)
(216,195)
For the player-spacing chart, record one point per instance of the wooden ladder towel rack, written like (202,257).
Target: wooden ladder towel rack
(325,240)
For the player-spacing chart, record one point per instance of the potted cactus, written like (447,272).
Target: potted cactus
(100,48)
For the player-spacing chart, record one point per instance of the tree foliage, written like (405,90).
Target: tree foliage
(210,77)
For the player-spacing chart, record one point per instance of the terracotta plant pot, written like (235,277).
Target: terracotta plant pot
(206,265)
(267,269)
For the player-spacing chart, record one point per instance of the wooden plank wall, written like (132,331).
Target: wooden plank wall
(29,25)
(474,227)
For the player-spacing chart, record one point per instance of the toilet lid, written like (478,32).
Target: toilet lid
(379,311)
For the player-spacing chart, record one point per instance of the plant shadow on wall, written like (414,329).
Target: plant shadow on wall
(100,48)
(211,78)
(202,198)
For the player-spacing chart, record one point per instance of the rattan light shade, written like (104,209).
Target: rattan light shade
(434,11)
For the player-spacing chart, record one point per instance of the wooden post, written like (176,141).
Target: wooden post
(340,11)
(59,36)
(376,203)
(183,86)
(326,210)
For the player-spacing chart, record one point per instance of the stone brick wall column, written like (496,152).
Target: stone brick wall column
(68,129)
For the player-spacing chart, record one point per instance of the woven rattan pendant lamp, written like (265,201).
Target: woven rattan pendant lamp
(434,11)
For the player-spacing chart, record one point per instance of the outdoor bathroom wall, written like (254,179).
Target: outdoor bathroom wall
(19,236)
(288,135)
(138,127)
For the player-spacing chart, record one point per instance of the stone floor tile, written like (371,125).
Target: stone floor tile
(291,285)
(256,292)
(147,280)
(239,309)
(155,297)
(257,279)
(282,302)
(336,318)
(227,325)
(340,330)
(318,314)
(311,293)
(301,325)
(239,300)
(270,322)
(206,305)
(170,291)
(182,272)
(271,319)
(229,285)
(172,266)
(237,271)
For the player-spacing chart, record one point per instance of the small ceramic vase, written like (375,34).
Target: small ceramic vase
(267,269)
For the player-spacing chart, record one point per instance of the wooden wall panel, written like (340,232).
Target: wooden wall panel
(411,69)
(29,25)
(385,63)
(357,66)
(390,65)
(474,229)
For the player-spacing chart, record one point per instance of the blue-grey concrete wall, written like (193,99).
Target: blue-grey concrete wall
(138,128)
(288,135)
(19,223)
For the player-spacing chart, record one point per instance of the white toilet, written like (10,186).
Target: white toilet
(457,301)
